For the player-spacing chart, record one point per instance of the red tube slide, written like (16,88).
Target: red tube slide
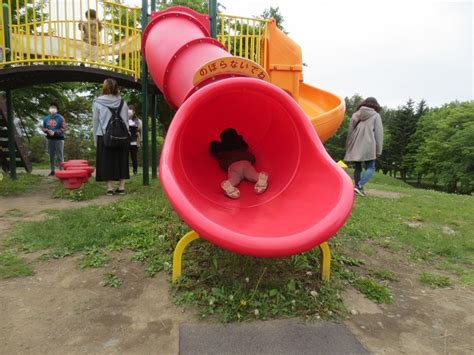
(309,195)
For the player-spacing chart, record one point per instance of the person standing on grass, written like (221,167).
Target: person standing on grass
(54,126)
(135,127)
(364,141)
(111,162)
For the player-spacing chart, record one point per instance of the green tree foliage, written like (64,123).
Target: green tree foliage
(409,158)
(446,150)
(36,146)
(197,5)
(73,99)
(23,11)
(352,103)
(401,127)
(274,12)
(336,145)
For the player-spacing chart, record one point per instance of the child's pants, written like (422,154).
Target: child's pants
(55,146)
(90,52)
(240,170)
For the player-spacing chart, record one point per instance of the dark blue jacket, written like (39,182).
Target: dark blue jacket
(55,123)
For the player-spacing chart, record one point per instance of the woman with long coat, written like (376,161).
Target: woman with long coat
(364,141)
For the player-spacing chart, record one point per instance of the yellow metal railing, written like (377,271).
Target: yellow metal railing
(65,32)
(60,32)
(244,36)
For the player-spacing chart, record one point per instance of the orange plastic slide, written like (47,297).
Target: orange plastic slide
(284,65)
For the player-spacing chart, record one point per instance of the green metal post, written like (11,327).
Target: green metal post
(144,79)
(154,156)
(213,17)
(11,135)
(10,126)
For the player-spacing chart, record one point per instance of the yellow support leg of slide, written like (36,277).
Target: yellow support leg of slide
(189,237)
(325,261)
(178,253)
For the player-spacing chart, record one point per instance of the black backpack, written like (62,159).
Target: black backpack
(116,134)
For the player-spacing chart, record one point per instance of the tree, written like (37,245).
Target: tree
(336,145)
(274,12)
(446,151)
(352,103)
(409,157)
(197,5)
(401,125)
(22,12)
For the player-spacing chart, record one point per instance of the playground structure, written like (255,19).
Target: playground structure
(309,197)
(74,173)
(47,32)
(21,155)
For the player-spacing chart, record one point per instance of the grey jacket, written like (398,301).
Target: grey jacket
(101,114)
(365,136)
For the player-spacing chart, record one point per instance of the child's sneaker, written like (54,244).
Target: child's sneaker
(230,190)
(359,190)
(262,183)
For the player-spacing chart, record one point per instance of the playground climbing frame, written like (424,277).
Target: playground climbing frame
(47,32)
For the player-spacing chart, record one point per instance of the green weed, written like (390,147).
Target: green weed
(384,275)
(373,290)
(111,280)
(13,266)
(94,258)
(434,280)
(237,288)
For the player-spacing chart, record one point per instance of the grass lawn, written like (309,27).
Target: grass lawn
(13,266)
(235,287)
(92,189)
(431,226)
(24,183)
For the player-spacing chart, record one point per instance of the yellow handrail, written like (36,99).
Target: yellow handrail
(60,32)
(244,36)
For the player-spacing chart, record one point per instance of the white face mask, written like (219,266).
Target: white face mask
(130,113)
(53,110)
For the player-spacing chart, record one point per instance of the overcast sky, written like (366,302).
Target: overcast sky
(392,50)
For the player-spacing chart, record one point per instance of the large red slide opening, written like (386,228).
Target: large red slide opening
(309,196)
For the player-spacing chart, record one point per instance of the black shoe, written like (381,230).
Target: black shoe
(110,192)
(119,192)
(51,173)
(359,190)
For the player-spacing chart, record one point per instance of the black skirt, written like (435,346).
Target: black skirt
(111,163)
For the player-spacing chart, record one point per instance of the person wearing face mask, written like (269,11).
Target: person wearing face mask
(54,126)
(135,128)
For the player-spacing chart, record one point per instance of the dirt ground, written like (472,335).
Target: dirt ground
(421,320)
(65,310)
